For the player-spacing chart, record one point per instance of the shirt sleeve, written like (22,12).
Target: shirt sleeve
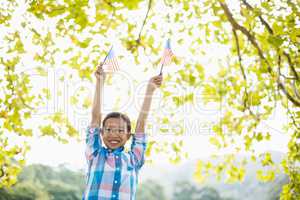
(138,148)
(93,142)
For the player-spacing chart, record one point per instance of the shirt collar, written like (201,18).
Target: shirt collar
(114,151)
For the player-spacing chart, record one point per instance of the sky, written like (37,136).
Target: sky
(126,95)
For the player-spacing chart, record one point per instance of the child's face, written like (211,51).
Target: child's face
(114,133)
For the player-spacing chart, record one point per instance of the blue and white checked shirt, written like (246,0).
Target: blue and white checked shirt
(112,174)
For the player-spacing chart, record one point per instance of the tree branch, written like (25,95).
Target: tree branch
(14,93)
(138,40)
(2,172)
(263,21)
(293,118)
(251,38)
(241,66)
(279,69)
(246,106)
(239,54)
(144,22)
(296,91)
(270,30)
(112,14)
(288,95)
(291,66)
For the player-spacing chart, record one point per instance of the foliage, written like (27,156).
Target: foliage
(187,191)
(43,182)
(258,74)
(150,189)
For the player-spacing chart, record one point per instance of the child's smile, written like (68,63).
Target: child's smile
(114,143)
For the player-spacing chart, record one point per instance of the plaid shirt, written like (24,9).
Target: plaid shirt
(112,174)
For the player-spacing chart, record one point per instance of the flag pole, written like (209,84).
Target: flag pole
(161,68)
(102,96)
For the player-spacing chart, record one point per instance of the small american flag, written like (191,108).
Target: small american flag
(110,62)
(167,55)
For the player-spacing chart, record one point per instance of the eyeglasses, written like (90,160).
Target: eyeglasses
(109,130)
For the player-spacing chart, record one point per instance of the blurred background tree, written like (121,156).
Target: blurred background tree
(41,182)
(151,189)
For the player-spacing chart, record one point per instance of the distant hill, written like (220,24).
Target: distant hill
(249,189)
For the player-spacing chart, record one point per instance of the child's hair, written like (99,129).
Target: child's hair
(118,115)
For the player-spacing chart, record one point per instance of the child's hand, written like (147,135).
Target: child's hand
(155,82)
(99,73)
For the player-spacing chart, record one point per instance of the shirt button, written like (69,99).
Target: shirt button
(117,157)
(118,168)
(116,181)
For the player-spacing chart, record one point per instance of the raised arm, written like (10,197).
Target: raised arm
(154,83)
(139,141)
(98,97)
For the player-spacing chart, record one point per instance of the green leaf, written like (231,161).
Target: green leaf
(19,46)
(56,11)
(47,130)
(275,40)
(189,97)
(87,103)
(259,137)
(198,172)
(267,159)
(41,71)
(265,177)
(175,148)
(178,100)
(71,131)
(215,141)
(73,100)
(278,29)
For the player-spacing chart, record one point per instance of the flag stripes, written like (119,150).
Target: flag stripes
(111,63)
